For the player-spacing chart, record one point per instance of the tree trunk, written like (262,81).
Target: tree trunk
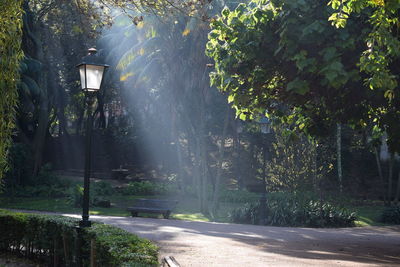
(40,135)
(221,150)
(238,163)
(175,138)
(33,29)
(390,179)
(196,172)
(315,171)
(204,178)
(339,156)
(397,190)
(380,173)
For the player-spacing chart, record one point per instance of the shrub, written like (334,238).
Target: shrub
(20,163)
(246,214)
(102,188)
(118,248)
(295,210)
(238,196)
(47,191)
(75,196)
(97,196)
(391,215)
(46,184)
(54,240)
(149,188)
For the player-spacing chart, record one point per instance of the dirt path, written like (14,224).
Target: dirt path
(219,244)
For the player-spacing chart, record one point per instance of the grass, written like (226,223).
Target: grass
(57,205)
(118,207)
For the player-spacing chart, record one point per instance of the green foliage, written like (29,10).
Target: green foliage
(237,196)
(149,188)
(289,171)
(75,196)
(284,209)
(102,188)
(119,248)
(286,58)
(249,213)
(47,191)
(391,215)
(99,191)
(20,182)
(20,164)
(44,235)
(10,56)
(382,41)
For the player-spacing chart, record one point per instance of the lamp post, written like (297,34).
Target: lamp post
(91,74)
(264,129)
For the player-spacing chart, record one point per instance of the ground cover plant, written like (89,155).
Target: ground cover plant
(52,239)
(391,215)
(294,210)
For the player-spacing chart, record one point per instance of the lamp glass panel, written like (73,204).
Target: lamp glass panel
(83,77)
(94,75)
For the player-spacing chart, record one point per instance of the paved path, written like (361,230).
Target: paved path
(220,244)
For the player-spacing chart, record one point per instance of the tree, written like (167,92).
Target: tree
(162,70)
(46,75)
(284,56)
(10,56)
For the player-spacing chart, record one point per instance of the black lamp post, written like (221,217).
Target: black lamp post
(265,129)
(91,74)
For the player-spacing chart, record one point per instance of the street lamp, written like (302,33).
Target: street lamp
(91,74)
(265,128)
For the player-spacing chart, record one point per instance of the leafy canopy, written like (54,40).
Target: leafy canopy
(285,57)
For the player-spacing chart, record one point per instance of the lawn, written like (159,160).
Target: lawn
(185,210)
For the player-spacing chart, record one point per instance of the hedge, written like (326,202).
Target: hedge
(58,241)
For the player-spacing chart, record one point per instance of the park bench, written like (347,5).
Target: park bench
(153,206)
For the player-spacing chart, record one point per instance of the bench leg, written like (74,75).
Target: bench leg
(166,215)
(134,213)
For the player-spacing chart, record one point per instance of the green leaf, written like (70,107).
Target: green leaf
(298,86)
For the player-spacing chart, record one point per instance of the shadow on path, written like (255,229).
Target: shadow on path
(217,243)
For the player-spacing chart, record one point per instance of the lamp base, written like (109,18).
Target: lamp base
(85,223)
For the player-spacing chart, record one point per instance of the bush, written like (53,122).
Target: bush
(55,238)
(295,210)
(37,191)
(391,215)
(246,214)
(20,163)
(102,188)
(148,188)
(119,248)
(75,196)
(46,184)
(97,194)
(238,196)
